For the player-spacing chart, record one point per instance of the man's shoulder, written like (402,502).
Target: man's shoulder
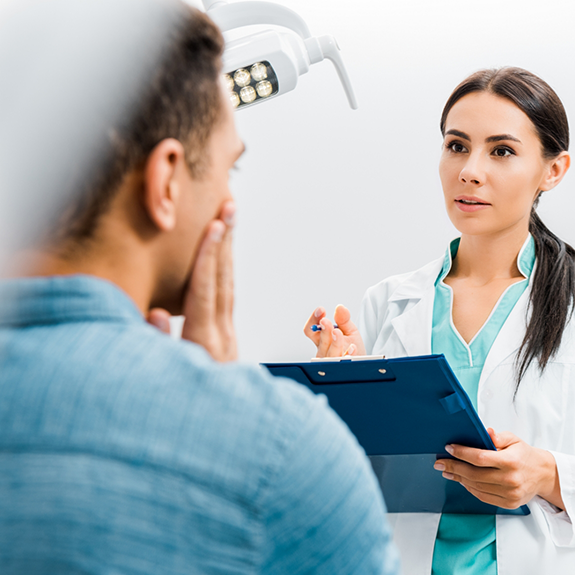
(174,388)
(131,393)
(159,361)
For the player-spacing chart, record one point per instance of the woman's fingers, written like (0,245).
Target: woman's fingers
(336,347)
(325,337)
(314,319)
(515,473)
(332,341)
(491,499)
(342,318)
(351,350)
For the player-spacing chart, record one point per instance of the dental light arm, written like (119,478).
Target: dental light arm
(266,64)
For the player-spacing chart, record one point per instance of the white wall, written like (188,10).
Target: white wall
(333,200)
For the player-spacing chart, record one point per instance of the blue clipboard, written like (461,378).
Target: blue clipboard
(403,411)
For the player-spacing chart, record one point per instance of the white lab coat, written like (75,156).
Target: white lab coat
(396,321)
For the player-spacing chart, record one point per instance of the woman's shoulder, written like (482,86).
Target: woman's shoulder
(410,285)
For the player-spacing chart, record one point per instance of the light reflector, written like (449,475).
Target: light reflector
(259,72)
(251,83)
(264,89)
(242,77)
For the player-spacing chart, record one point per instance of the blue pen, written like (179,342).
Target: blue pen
(318,327)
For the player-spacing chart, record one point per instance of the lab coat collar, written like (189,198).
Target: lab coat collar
(509,338)
(413,327)
(416,285)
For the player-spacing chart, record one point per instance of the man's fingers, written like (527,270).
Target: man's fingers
(225,274)
(160,319)
(201,297)
(228,214)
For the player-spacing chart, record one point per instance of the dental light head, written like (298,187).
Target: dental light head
(265,64)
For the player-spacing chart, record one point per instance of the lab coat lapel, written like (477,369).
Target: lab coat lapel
(509,339)
(413,327)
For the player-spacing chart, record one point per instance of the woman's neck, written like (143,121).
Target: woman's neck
(488,257)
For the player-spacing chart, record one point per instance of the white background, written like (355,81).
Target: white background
(332,200)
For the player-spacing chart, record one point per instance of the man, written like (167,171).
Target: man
(124,451)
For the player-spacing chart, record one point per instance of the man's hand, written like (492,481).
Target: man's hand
(209,298)
(160,318)
(508,477)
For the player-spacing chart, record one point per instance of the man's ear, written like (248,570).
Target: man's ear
(162,180)
(557,169)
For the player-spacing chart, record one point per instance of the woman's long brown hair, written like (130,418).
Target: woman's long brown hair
(553,286)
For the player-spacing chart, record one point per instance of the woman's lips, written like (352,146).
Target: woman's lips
(471,203)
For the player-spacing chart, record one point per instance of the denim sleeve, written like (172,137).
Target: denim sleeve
(325,511)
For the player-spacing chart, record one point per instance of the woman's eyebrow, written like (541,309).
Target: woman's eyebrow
(459,134)
(502,137)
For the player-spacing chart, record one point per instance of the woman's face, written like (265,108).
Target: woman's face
(491,167)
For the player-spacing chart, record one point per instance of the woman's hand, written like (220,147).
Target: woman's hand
(209,298)
(334,342)
(509,477)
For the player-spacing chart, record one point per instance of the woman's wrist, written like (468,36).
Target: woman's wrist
(550,489)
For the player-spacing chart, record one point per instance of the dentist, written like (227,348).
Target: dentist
(499,305)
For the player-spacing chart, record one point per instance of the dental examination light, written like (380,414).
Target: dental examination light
(265,64)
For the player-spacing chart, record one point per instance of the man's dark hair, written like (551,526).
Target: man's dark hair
(180,100)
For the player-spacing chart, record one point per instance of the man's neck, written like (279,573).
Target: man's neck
(131,274)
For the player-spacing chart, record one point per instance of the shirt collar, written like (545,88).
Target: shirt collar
(59,299)
(525,258)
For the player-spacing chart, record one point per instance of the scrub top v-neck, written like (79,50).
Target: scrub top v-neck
(466,544)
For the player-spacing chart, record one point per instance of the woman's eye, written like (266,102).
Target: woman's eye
(456,147)
(503,152)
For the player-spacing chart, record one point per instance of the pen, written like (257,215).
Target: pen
(318,327)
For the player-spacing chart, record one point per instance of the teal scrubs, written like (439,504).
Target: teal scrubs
(465,544)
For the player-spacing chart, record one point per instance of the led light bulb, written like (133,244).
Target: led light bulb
(229,82)
(247,94)
(242,77)
(259,71)
(235,99)
(264,88)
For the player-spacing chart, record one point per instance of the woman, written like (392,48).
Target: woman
(499,306)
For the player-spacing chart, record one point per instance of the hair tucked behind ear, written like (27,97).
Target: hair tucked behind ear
(553,283)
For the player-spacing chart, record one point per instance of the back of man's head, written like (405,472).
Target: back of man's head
(180,100)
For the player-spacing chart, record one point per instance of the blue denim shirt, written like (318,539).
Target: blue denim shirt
(123,451)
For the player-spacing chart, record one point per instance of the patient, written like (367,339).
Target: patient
(125,451)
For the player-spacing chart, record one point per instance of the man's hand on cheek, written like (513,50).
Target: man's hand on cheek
(159,318)
(209,299)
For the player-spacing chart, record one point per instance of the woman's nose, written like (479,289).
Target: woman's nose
(472,172)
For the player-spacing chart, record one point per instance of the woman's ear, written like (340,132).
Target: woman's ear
(162,183)
(556,170)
